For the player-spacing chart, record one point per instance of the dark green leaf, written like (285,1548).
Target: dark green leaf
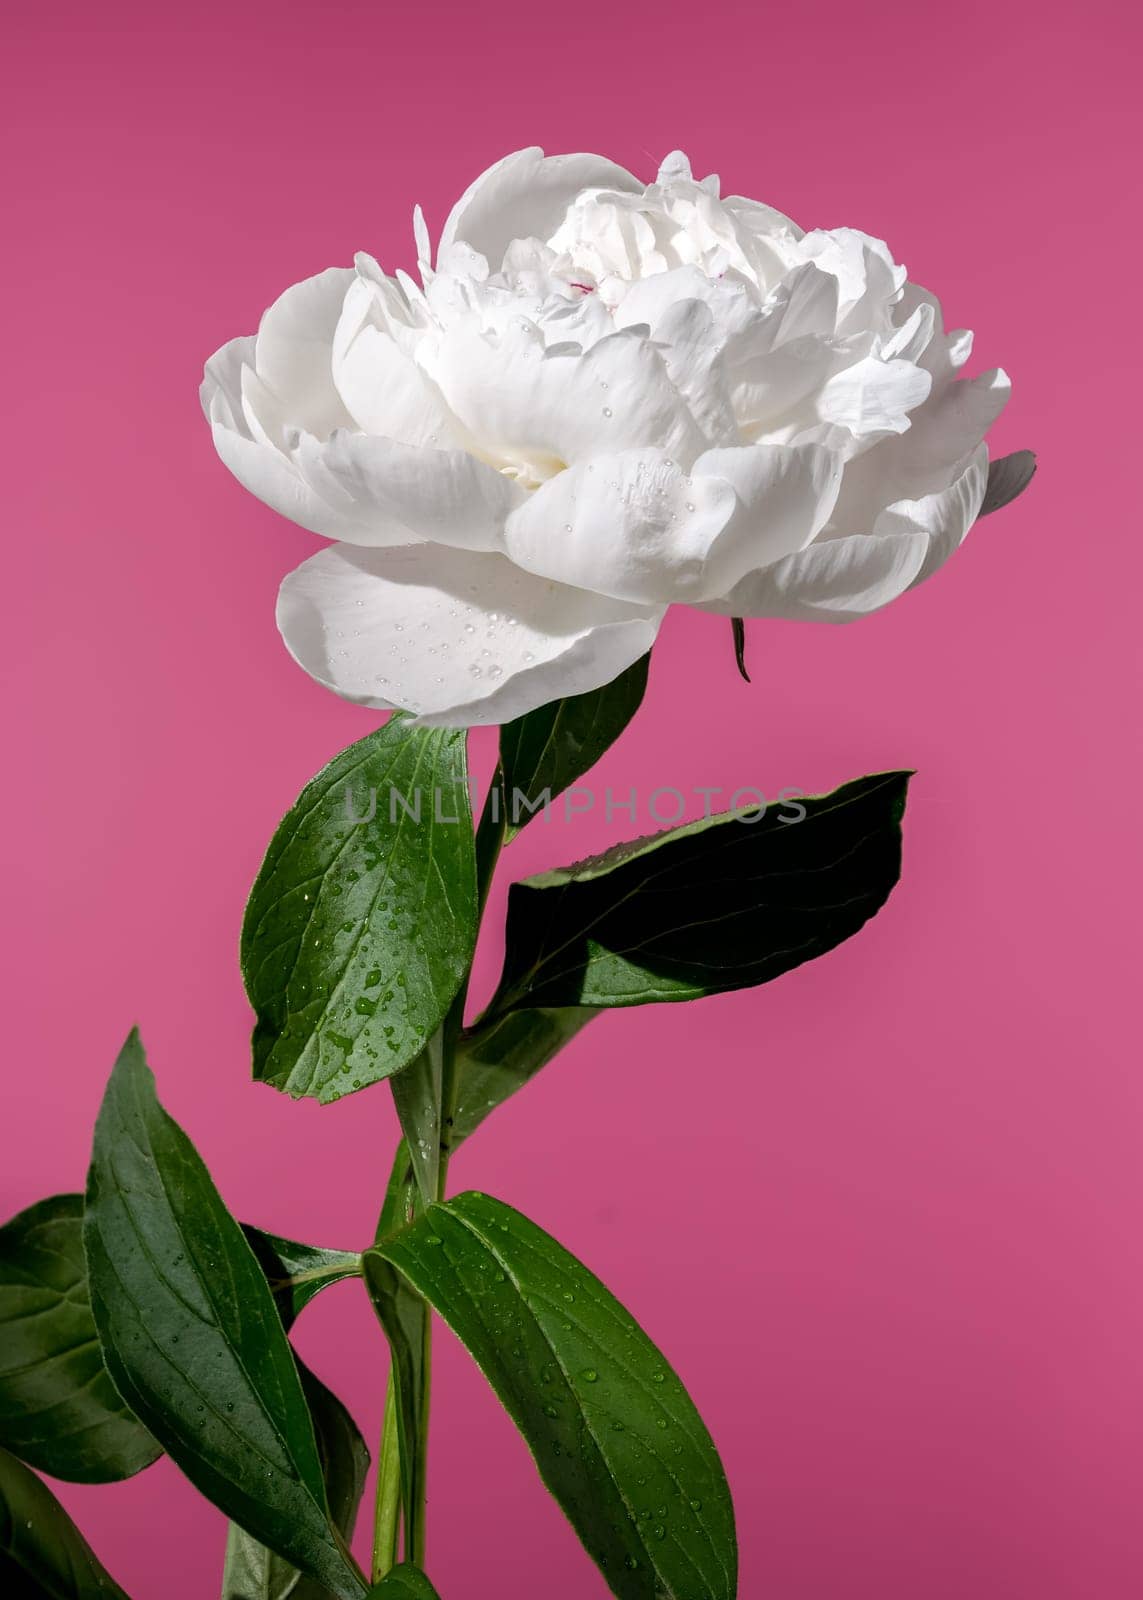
(548,749)
(360,926)
(399,1204)
(1008,477)
(296,1272)
(58,1408)
(404,1583)
(417,1096)
(614,1434)
(42,1552)
(191,1335)
(498,1057)
(724,903)
(254,1573)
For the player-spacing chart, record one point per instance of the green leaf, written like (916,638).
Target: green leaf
(1008,477)
(404,1583)
(417,1094)
(497,1058)
(615,1436)
(254,1573)
(297,1272)
(724,903)
(398,1207)
(548,749)
(191,1335)
(360,928)
(58,1408)
(42,1552)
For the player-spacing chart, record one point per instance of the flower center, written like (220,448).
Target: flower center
(530,471)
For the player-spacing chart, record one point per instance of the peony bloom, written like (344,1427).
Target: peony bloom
(605,398)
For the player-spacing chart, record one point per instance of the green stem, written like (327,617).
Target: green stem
(488,842)
(387,1520)
(415,1525)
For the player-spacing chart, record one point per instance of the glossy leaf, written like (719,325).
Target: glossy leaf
(497,1058)
(42,1552)
(254,1573)
(361,924)
(191,1335)
(404,1583)
(297,1272)
(1008,477)
(417,1096)
(553,746)
(59,1409)
(614,1434)
(723,903)
(398,1207)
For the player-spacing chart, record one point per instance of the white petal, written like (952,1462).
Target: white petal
(272,477)
(631,525)
(676,165)
(382,387)
(945,517)
(458,638)
(402,494)
(834,580)
(785,495)
(911,336)
(524,403)
(293,352)
(386,393)
(869,280)
(525,196)
(873,398)
(650,300)
(220,392)
(691,345)
(946,429)
(258,465)
(804,305)
(774,391)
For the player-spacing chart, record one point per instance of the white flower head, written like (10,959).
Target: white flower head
(603,398)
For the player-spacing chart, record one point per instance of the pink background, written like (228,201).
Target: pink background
(884,1215)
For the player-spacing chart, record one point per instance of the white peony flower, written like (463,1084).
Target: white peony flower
(604,399)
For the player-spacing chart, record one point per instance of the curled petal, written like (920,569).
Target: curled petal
(258,465)
(784,497)
(292,351)
(381,386)
(461,641)
(946,516)
(943,432)
(525,196)
(873,398)
(835,580)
